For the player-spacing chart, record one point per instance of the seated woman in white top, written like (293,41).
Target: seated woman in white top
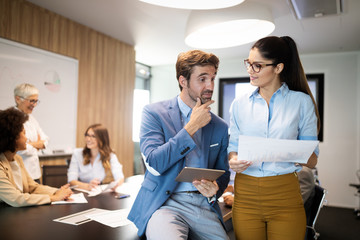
(96,163)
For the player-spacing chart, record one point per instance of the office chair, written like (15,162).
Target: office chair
(317,203)
(54,175)
(357,186)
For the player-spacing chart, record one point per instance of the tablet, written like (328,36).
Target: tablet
(189,174)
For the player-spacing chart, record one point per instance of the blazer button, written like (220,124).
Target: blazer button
(185,150)
(167,192)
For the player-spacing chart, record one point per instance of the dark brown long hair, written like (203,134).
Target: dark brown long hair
(103,140)
(284,50)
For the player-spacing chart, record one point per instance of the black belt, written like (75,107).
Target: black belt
(196,192)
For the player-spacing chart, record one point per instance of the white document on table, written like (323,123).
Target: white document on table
(74,198)
(131,186)
(94,191)
(257,149)
(80,217)
(116,218)
(97,190)
(128,188)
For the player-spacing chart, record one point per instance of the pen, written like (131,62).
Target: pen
(73,187)
(121,196)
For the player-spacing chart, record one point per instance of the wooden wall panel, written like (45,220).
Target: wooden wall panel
(106,69)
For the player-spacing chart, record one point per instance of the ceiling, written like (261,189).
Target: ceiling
(158,33)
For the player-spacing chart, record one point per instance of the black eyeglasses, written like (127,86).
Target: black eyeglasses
(256,67)
(32,101)
(89,135)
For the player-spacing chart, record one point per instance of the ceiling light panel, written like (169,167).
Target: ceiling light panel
(228,27)
(194,4)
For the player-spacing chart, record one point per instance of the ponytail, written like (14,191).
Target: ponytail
(284,50)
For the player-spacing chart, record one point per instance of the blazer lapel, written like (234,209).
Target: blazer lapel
(23,173)
(174,114)
(207,133)
(6,165)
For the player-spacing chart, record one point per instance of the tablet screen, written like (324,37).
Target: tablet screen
(189,174)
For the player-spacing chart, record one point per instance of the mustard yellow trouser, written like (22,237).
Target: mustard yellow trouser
(268,208)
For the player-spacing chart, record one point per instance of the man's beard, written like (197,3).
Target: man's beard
(203,100)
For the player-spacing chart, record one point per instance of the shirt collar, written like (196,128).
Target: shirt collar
(283,90)
(184,109)
(21,110)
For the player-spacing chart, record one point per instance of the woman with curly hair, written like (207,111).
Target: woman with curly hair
(17,188)
(96,163)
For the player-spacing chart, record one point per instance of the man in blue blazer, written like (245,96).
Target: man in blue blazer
(176,133)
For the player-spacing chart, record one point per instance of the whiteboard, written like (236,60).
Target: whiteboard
(56,77)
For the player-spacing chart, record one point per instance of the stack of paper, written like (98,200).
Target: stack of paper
(80,217)
(74,198)
(116,218)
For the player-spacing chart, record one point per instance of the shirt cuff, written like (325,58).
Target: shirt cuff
(227,194)
(212,199)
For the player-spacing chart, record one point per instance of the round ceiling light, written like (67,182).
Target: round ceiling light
(228,27)
(195,4)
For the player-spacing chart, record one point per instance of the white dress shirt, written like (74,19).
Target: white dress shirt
(30,155)
(16,171)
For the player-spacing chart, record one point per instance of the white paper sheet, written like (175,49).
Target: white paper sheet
(257,149)
(95,191)
(112,219)
(131,185)
(128,188)
(74,198)
(80,217)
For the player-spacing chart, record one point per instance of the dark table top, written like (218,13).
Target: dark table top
(36,222)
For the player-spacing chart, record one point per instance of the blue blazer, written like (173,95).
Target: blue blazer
(164,144)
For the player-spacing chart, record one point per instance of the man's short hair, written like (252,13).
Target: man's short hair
(186,61)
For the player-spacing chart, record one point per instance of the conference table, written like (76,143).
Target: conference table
(36,222)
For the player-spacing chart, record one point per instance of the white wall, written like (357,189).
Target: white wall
(340,151)
(163,83)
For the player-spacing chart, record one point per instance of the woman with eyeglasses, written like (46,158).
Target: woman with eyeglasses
(268,203)
(96,163)
(17,188)
(27,98)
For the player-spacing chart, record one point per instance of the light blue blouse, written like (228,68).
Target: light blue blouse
(290,115)
(85,173)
